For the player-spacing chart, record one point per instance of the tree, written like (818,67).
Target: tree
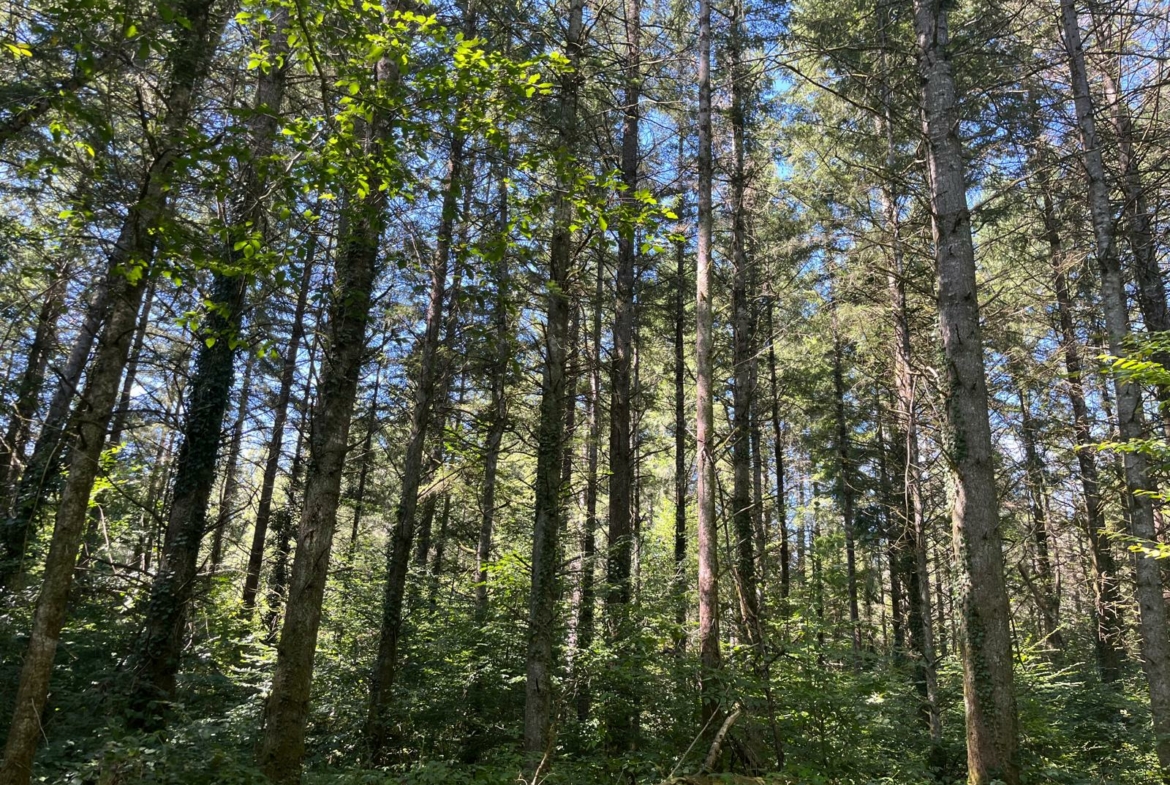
(988,689)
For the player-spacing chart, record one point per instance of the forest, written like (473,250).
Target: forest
(484,392)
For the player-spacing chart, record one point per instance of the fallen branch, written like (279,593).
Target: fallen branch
(717,742)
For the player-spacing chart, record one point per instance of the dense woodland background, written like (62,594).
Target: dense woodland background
(584,391)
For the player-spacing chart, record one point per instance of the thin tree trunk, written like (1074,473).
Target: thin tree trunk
(988,688)
(778,436)
(130,377)
(1155,647)
(32,380)
(1109,630)
(187,63)
(845,488)
(622,486)
(42,474)
(284,519)
(1048,587)
(502,344)
(367,458)
(231,481)
(1151,290)
(549,511)
(704,394)
(681,466)
(276,439)
(585,609)
(742,503)
(429,409)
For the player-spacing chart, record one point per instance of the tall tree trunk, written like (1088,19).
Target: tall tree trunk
(704,394)
(742,503)
(32,380)
(209,395)
(284,520)
(622,486)
(231,481)
(989,692)
(778,436)
(286,713)
(1155,647)
(1047,586)
(502,346)
(276,438)
(1109,629)
(845,488)
(585,608)
(429,408)
(1151,289)
(549,508)
(188,61)
(681,466)
(42,473)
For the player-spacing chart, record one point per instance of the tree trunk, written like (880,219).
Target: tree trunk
(585,609)
(502,345)
(1155,647)
(550,435)
(209,395)
(130,377)
(989,692)
(284,519)
(845,489)
(32,380)
(704,394)
(622,487)
(1109,630)
(681,467)
(367,459)
(429,409)
(1151,290)
(187,63)
(286,713)
(276,439)
(778,436)
(231,481)
(1048,588)
(742,503)
(42,473)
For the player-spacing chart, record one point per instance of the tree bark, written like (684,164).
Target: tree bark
(704,394)
(989,692)
(1155,647)
(549,503)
